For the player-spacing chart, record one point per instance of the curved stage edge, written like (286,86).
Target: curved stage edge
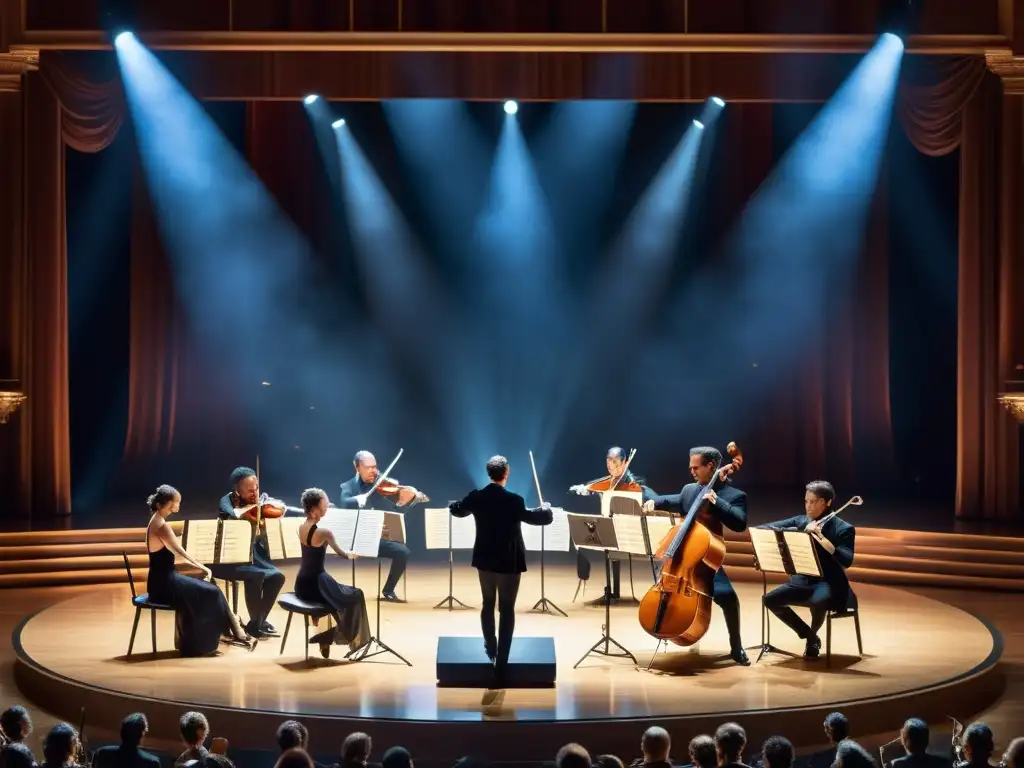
(923,658)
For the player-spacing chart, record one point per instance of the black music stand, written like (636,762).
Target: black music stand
(773,554)
(451,602)
(594,532)
(544,605)
(368,651)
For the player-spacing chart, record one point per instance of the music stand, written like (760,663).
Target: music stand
(593,532)
(535,540)
(440,534)
(382,647)
(777,551)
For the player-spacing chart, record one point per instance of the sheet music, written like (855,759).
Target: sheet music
(369,526)
(283,537)
(630,533)
(657,529)
(555,535)
(801,549)
(621,503)
(342,523)
(394,527)
(592,532)
(201,540)
(235,542)
(766,550)
(463,529)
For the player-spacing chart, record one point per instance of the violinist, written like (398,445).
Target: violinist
(262,580)
(834,542)
(356,493)
(727,506)
(619,478)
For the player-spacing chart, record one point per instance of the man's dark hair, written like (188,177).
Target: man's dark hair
(617,452)
(240,474)
(497,467)
(978,736)
(17,755)
(707,454)
(190,725)
(292,733)
(311,498)
(573,756)
(850,754)
(396,757)
(162,495)
(777,752)
(838,726)
(59,744)
(11,720)
(356,747)
(730,739)
(822,489)
(608,761)
(703,752)
(133,728)
(294,758)
(915,736)
(656,743)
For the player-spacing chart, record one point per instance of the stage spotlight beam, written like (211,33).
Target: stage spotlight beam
(511,107)
(310,99)
(338,123)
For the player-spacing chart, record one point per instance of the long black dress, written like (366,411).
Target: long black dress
(201,614)
(316,585)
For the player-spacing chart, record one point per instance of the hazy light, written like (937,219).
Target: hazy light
(889,37)
(718,102)
(310,99)
(123,37)
(698,124)
(511,107)
(338,123)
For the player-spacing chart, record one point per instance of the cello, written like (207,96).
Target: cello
(678,607)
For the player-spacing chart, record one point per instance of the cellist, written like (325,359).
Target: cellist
(619,478)
(262,580)
(726,507)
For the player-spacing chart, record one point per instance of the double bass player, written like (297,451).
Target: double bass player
(725,507)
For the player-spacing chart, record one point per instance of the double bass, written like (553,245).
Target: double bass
(678,607)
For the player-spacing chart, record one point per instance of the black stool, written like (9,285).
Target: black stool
(291,604)
(140,603)
(844,613)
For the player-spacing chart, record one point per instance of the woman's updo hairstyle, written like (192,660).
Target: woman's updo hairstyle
(162,495)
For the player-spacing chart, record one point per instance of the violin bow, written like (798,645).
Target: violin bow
(536,482)
(384,475)
(625,469)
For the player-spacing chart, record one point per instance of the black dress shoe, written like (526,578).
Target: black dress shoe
(740,657)
(391,597)
(813,647)
(269,630)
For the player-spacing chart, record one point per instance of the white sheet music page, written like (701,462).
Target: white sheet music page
(275,538)
(801,549)
(342,523)
(235,542)
(290,536)
(463,532)
(555,535)
(201,540)
(435,522)
(766,550)
(369,526)
(630,534)
(394,527)
(657,530)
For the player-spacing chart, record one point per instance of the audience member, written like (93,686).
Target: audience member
(128,755)
(1014,755)
(777,752)
(296,757)
(573,756)
(978,745)
(837,728)
(850,754)
(15,725)
(655,745)
(194,727)
(17,755)
(915,737)
(730,739)
(397,757)
(292,734)
(607,761)
(60,747)
(355,750)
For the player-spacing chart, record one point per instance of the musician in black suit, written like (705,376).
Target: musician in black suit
(355,494)
(834,543)
(727,506)
(262,581)
(499,554)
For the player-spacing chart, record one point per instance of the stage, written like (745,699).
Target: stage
(73,654)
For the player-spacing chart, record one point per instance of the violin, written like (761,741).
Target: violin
(267,509)
(609,483)
(402,494)
(678,607)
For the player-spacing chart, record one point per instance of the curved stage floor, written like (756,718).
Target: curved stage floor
(920,655)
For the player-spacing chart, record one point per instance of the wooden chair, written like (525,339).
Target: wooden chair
(141,602)
(850,611)
(291,604)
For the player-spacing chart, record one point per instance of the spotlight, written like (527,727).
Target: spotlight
(310,99)
(338,123)
(717,101)
(511,107)
(698,125)
(123,37)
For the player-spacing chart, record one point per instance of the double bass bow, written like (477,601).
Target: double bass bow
(678,607)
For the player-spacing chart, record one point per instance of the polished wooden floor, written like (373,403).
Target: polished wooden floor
(74,652)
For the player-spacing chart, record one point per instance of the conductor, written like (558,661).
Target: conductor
(499,555)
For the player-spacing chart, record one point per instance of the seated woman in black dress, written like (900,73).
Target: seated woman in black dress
(202,616)
(316,585)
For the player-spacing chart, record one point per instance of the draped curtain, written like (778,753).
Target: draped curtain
(834,413)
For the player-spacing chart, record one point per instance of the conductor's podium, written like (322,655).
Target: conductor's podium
(462,663)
